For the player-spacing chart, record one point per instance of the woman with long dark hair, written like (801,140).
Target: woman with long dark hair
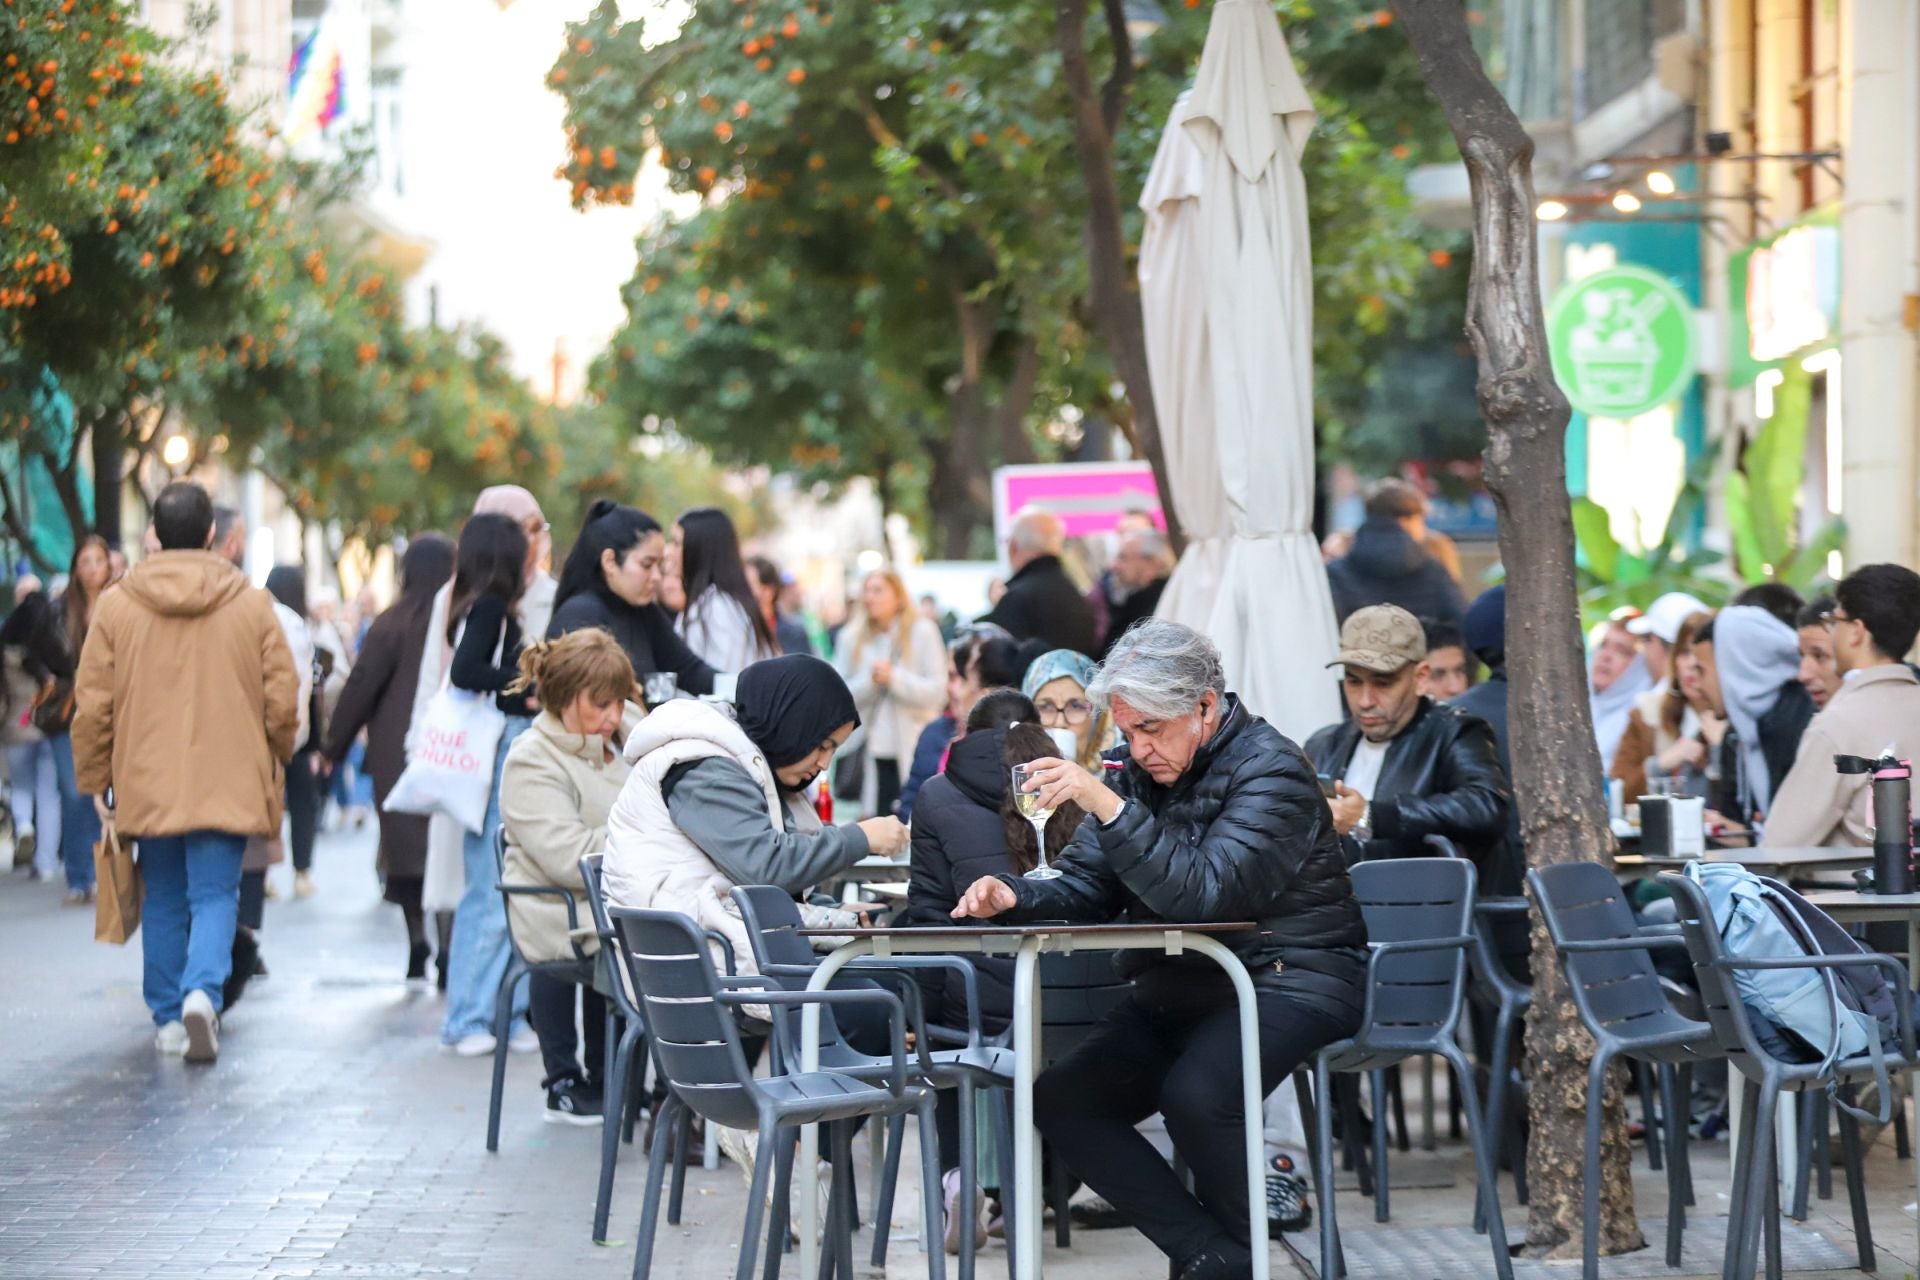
(483,625)
(611,580)
(722,621)
(378,698)
(89,574)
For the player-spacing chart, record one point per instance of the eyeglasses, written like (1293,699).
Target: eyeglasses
(1834,615)
(1075,712)
(535,528)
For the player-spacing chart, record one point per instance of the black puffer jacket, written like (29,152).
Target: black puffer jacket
(957,839)
(1386,566)
(1441,776)
(1244,834)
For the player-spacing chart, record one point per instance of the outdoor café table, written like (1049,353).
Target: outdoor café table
(1781,864)
(1026,942)
(1850,906)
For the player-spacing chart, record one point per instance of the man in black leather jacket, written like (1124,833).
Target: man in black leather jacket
(1407,767)
(1214,816)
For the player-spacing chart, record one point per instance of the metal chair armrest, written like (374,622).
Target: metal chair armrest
(1897,972)
(896,1019)
(1421,944)
(551,891)
(726,949)
(1502,907)
(1638,942)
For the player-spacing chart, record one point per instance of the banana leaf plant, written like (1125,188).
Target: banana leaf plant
(1762,497)
(1612,577)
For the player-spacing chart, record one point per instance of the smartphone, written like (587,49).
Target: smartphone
(1326,785)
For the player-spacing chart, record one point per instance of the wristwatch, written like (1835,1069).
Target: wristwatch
(1116,814)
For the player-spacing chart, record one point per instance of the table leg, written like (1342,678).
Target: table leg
(1029,1226)
(1250,1095)
(1913,950)
(806,1178)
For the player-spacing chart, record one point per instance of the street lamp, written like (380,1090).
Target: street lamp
(176,451)
(1660,182)
(1550,211)
(1626,202)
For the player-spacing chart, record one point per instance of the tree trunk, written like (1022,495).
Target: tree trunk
(109,462)
(1112,291)
(1558,768)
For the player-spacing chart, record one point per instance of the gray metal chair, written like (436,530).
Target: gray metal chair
(518,968)
(690,1013)
(626,1058)
(773,919)
(1418,912)
(1764,1076)
(1608,962)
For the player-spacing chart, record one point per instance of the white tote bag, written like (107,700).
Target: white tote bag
(450,763)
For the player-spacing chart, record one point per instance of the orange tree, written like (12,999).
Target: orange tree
(892,190)
(160,231)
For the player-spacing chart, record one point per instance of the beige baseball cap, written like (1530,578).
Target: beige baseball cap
(1381,637)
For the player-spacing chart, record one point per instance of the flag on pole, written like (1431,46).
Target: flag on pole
(316,84)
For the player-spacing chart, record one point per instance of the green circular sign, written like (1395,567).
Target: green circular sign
(1622,342)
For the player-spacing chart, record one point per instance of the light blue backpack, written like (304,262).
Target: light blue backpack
(1801,1015)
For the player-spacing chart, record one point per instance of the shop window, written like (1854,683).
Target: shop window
(1620,38)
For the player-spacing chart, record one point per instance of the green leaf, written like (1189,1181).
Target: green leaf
(1748,554)
(1593,532)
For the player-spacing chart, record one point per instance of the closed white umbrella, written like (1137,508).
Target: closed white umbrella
(1227,285)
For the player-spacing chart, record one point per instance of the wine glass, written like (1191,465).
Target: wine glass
(1028,803)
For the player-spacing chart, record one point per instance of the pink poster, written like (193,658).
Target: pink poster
(1089,496)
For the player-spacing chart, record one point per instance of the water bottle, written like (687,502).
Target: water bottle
(1892,830)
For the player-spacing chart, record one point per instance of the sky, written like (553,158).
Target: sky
(483,137)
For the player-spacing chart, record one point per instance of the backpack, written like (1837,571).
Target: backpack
(1802,1015)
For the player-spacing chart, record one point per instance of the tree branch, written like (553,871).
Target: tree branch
(1113,94)
(1010,416)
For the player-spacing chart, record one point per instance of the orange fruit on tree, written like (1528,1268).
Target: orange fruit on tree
(797,75)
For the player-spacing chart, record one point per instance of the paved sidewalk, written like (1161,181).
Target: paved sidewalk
(334,1138)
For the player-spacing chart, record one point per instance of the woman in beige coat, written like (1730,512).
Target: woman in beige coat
(895,664)
(559,783)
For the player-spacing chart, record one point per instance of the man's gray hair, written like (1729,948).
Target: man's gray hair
(1160,669)
(1038,532)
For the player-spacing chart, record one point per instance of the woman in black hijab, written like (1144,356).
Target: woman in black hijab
(716,799)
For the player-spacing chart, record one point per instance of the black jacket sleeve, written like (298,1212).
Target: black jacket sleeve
(35,628)
(366,683)
(1247,856)
(1086,891)
(931,892)
(490,627)
(672,653)
(1471,799)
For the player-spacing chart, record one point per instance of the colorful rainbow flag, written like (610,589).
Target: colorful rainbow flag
(316,84)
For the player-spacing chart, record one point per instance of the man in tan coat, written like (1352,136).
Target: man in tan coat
(185,709)
(1876,708)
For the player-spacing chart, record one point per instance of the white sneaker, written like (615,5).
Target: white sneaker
(477,1045)
(202,1027)
(171,1039)
(524,1039)
(739,1146)
(950,1187)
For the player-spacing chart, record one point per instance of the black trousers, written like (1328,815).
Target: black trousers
(1174,1047)
(303,808)
(551,1003)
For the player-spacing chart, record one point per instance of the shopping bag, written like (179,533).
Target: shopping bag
(450,764)
(116,904)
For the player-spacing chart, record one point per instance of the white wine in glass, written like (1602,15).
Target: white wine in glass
(1029,805)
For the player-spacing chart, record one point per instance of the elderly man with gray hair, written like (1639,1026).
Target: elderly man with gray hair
(1140,571)
(1041,601)
(1212,815)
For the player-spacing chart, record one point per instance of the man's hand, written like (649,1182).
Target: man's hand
(105,813)
(986,899)
(1348,806)
(886,837)
(1058,781)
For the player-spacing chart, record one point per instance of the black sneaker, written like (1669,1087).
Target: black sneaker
(572,1102)
(1095,1214)
(417,963)
(1287,1207)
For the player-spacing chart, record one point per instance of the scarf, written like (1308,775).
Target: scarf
(789,706)
(1756,654)
(1078,667)
(1611,708)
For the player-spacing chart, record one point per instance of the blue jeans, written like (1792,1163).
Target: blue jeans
(79,825)
(33,772)
(186,923)
(478,955)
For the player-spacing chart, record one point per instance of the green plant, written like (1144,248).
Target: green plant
(1612,577)
(1763,497)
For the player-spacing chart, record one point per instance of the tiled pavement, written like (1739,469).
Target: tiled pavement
(333,1138)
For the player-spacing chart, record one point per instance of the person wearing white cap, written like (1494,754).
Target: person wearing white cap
(1658,627)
